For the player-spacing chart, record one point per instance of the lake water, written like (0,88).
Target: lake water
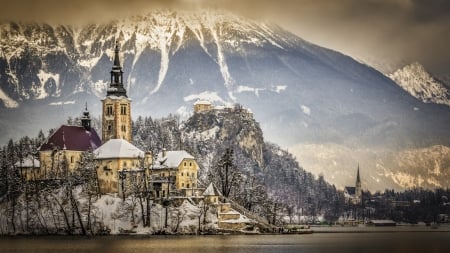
(407,242)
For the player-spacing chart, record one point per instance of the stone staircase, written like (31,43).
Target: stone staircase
(263,223)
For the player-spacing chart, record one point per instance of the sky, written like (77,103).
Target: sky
(384,33)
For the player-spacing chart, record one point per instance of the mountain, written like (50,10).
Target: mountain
(300,92)
(414,79)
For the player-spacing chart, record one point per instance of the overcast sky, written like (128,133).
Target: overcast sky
(378,31)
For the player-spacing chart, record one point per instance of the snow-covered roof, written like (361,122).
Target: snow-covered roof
(211,190)
(172,159)
(113,97)
(28,162)
(118,148)
(202,102)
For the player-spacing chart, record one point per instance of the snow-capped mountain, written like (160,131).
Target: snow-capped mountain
(298,91)
(414,79)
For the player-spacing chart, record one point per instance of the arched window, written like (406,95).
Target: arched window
(71,159)
(187,185)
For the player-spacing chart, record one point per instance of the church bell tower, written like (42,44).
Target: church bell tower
(116,113)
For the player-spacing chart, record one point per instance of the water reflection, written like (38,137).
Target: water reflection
(325,242)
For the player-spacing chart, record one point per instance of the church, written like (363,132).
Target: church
(118,162)
(352,194)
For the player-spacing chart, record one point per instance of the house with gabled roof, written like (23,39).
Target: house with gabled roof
(119,162)
(29,167)
(174,173)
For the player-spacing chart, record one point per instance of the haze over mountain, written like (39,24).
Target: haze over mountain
(310,98)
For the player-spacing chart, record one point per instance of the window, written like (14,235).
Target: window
(124,164)
(184,164)
(182,174)
(123,109)
(109,110)
(187,185)
(190,164)
(182,184)
(110,127)
(71,159)
(123,128)
(163,174)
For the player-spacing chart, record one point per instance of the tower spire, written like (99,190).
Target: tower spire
(116,55)
(358,180)
(116,87)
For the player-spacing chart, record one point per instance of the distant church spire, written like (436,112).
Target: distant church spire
(358,188)
(116,87)
(358,180)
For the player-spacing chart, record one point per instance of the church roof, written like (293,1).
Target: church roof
(28,162)
(211,190)
(75,138)
(118,148)
(350,190)
(172,159)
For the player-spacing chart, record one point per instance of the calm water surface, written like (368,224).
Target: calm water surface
(407,242)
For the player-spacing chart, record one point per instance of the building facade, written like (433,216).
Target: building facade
(202,105)
(119,165)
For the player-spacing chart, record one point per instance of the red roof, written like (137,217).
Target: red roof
(72,138)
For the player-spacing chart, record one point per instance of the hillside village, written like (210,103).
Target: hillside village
(216,176)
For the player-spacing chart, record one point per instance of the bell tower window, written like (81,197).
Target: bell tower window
(123,110)
(109,110)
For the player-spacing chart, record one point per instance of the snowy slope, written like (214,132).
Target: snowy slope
(418,82)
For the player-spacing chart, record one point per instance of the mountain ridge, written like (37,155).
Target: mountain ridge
(415,79)
(300,92)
